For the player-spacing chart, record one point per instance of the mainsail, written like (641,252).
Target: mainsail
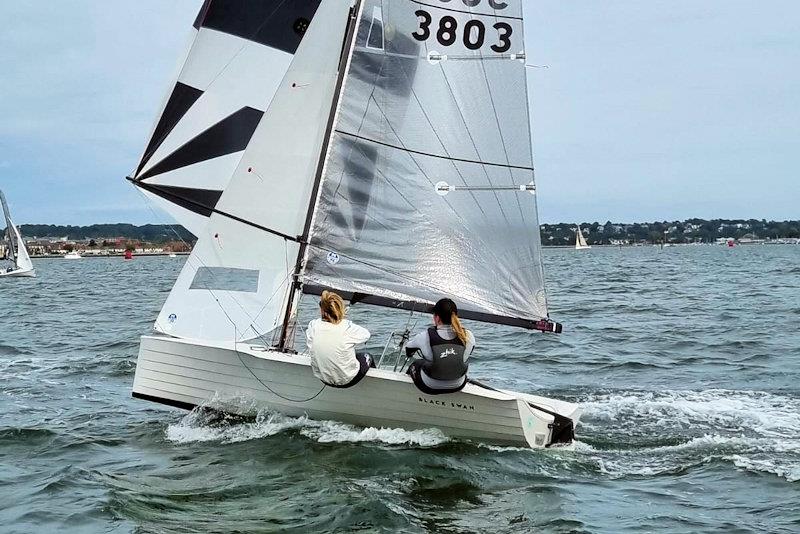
(436,92)
(240,54)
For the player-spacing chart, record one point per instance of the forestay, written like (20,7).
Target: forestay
(236,281)
(239,55)
(436,92)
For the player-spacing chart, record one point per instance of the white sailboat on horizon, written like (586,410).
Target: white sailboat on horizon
(335,182)
(15,250)
(580,241)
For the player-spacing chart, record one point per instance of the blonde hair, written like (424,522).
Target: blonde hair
(461,334)
(331,306)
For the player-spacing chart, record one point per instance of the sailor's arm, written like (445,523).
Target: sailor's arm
(420,343)
(357,334)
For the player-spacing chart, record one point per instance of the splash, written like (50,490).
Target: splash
(717,409)
(208,423)
(755,431)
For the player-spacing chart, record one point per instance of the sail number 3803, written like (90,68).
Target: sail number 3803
(473,33)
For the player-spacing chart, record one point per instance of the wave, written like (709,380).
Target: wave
(204,424)
(11,350)
(646,434)
(790,472)
(755,412)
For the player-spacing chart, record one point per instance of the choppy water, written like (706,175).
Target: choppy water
(687,361)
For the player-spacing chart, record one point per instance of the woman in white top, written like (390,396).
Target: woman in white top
(445,349)
(331,341)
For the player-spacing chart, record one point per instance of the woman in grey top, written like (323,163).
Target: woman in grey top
(445,349)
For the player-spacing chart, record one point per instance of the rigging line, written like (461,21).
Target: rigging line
(157,190)
(472,140)
(465,12)
(241,360)
(500,131)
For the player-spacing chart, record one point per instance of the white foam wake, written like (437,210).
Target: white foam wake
(758,412)
(199,426)
(755,431)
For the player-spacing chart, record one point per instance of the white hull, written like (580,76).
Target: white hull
(21,273)
(579,247)
(186,374)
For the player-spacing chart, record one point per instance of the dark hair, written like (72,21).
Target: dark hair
(447,311)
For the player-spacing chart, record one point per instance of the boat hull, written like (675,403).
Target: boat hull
(30,273)
(185,374)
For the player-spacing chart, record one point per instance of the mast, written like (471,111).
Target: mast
(344,63)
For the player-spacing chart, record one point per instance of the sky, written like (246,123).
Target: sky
(656,110)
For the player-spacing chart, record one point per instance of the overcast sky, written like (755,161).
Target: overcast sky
(664,109)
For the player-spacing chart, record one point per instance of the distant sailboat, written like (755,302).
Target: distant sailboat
(15,251)
(580,241)
(326,177)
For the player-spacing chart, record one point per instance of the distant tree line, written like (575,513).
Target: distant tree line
(150,233)
(688,231)
(608,233)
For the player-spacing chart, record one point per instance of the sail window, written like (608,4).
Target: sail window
(375,36)
(225,279)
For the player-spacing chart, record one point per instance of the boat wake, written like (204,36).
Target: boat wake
(755,431)
(208,423)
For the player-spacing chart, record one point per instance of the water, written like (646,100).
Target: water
(687,362)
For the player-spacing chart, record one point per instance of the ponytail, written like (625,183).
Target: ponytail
(331,307)
(447,312)
(458,329)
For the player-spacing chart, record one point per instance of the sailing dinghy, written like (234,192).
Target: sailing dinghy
(17,260)
(393,164)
